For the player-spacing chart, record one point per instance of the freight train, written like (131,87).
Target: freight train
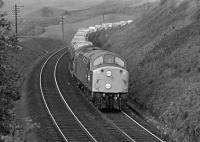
(102,75)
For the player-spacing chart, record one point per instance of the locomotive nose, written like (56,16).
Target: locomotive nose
(110,79)
(108,86)
(109,73)
(125,87)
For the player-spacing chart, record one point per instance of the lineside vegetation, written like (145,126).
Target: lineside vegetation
(9,86)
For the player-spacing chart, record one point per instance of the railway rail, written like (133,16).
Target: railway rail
(93,121)
(128,133)
(133,129)
(66,122)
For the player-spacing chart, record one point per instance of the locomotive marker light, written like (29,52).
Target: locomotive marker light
(109,73)
(108,86)
(88,77)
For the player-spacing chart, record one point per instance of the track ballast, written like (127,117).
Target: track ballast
(62,117)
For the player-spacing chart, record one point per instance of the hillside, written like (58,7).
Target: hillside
(35,22)
(124,7)
(30,5)
(32,50)
(45,12)
(1,3)
(163,51)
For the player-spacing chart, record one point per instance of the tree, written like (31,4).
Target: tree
(9,91)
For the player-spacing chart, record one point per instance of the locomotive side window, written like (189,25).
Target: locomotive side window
(109,59)
(119,61)
(98,61)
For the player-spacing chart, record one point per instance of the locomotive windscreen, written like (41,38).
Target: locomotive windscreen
(109,59)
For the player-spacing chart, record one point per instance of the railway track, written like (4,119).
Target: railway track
(60,98)
(65,121)
(133,129)
(95,120)
(136,133)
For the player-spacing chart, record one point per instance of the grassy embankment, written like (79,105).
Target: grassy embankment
(163,52)
(37,47)
(1,3)
(33,49)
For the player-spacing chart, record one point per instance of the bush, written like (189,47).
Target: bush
(8,79)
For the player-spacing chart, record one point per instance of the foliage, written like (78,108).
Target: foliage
(21,133)
(162,49)
(8,79)
(1,3)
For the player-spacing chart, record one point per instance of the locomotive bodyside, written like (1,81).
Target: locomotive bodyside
(102,75)
(105,81)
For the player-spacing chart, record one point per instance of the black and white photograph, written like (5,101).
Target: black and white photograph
(99,70)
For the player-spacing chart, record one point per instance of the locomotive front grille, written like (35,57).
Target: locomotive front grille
(110,80)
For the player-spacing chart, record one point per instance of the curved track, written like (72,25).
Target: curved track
(68,125)
(59,94)
(95,121)
(130,129)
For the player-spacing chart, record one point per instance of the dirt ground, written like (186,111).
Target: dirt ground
(28,61)
(22,110)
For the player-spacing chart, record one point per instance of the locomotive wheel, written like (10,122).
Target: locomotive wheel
(100,103)
(95,102)
(120,104)
(107,102)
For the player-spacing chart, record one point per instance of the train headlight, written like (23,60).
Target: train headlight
(109,73)
(108,86)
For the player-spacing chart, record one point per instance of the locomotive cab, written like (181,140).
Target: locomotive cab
(103,76)
(110,81)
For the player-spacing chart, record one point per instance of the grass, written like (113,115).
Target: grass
(162,49)
(32,49)
(1,3)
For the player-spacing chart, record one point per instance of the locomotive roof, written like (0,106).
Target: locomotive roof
(95,52)
(87,49)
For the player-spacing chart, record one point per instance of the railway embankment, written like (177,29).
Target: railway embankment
(27,61)
(30,53)
(162,49)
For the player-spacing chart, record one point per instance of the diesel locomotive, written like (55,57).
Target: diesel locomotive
(102,75)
